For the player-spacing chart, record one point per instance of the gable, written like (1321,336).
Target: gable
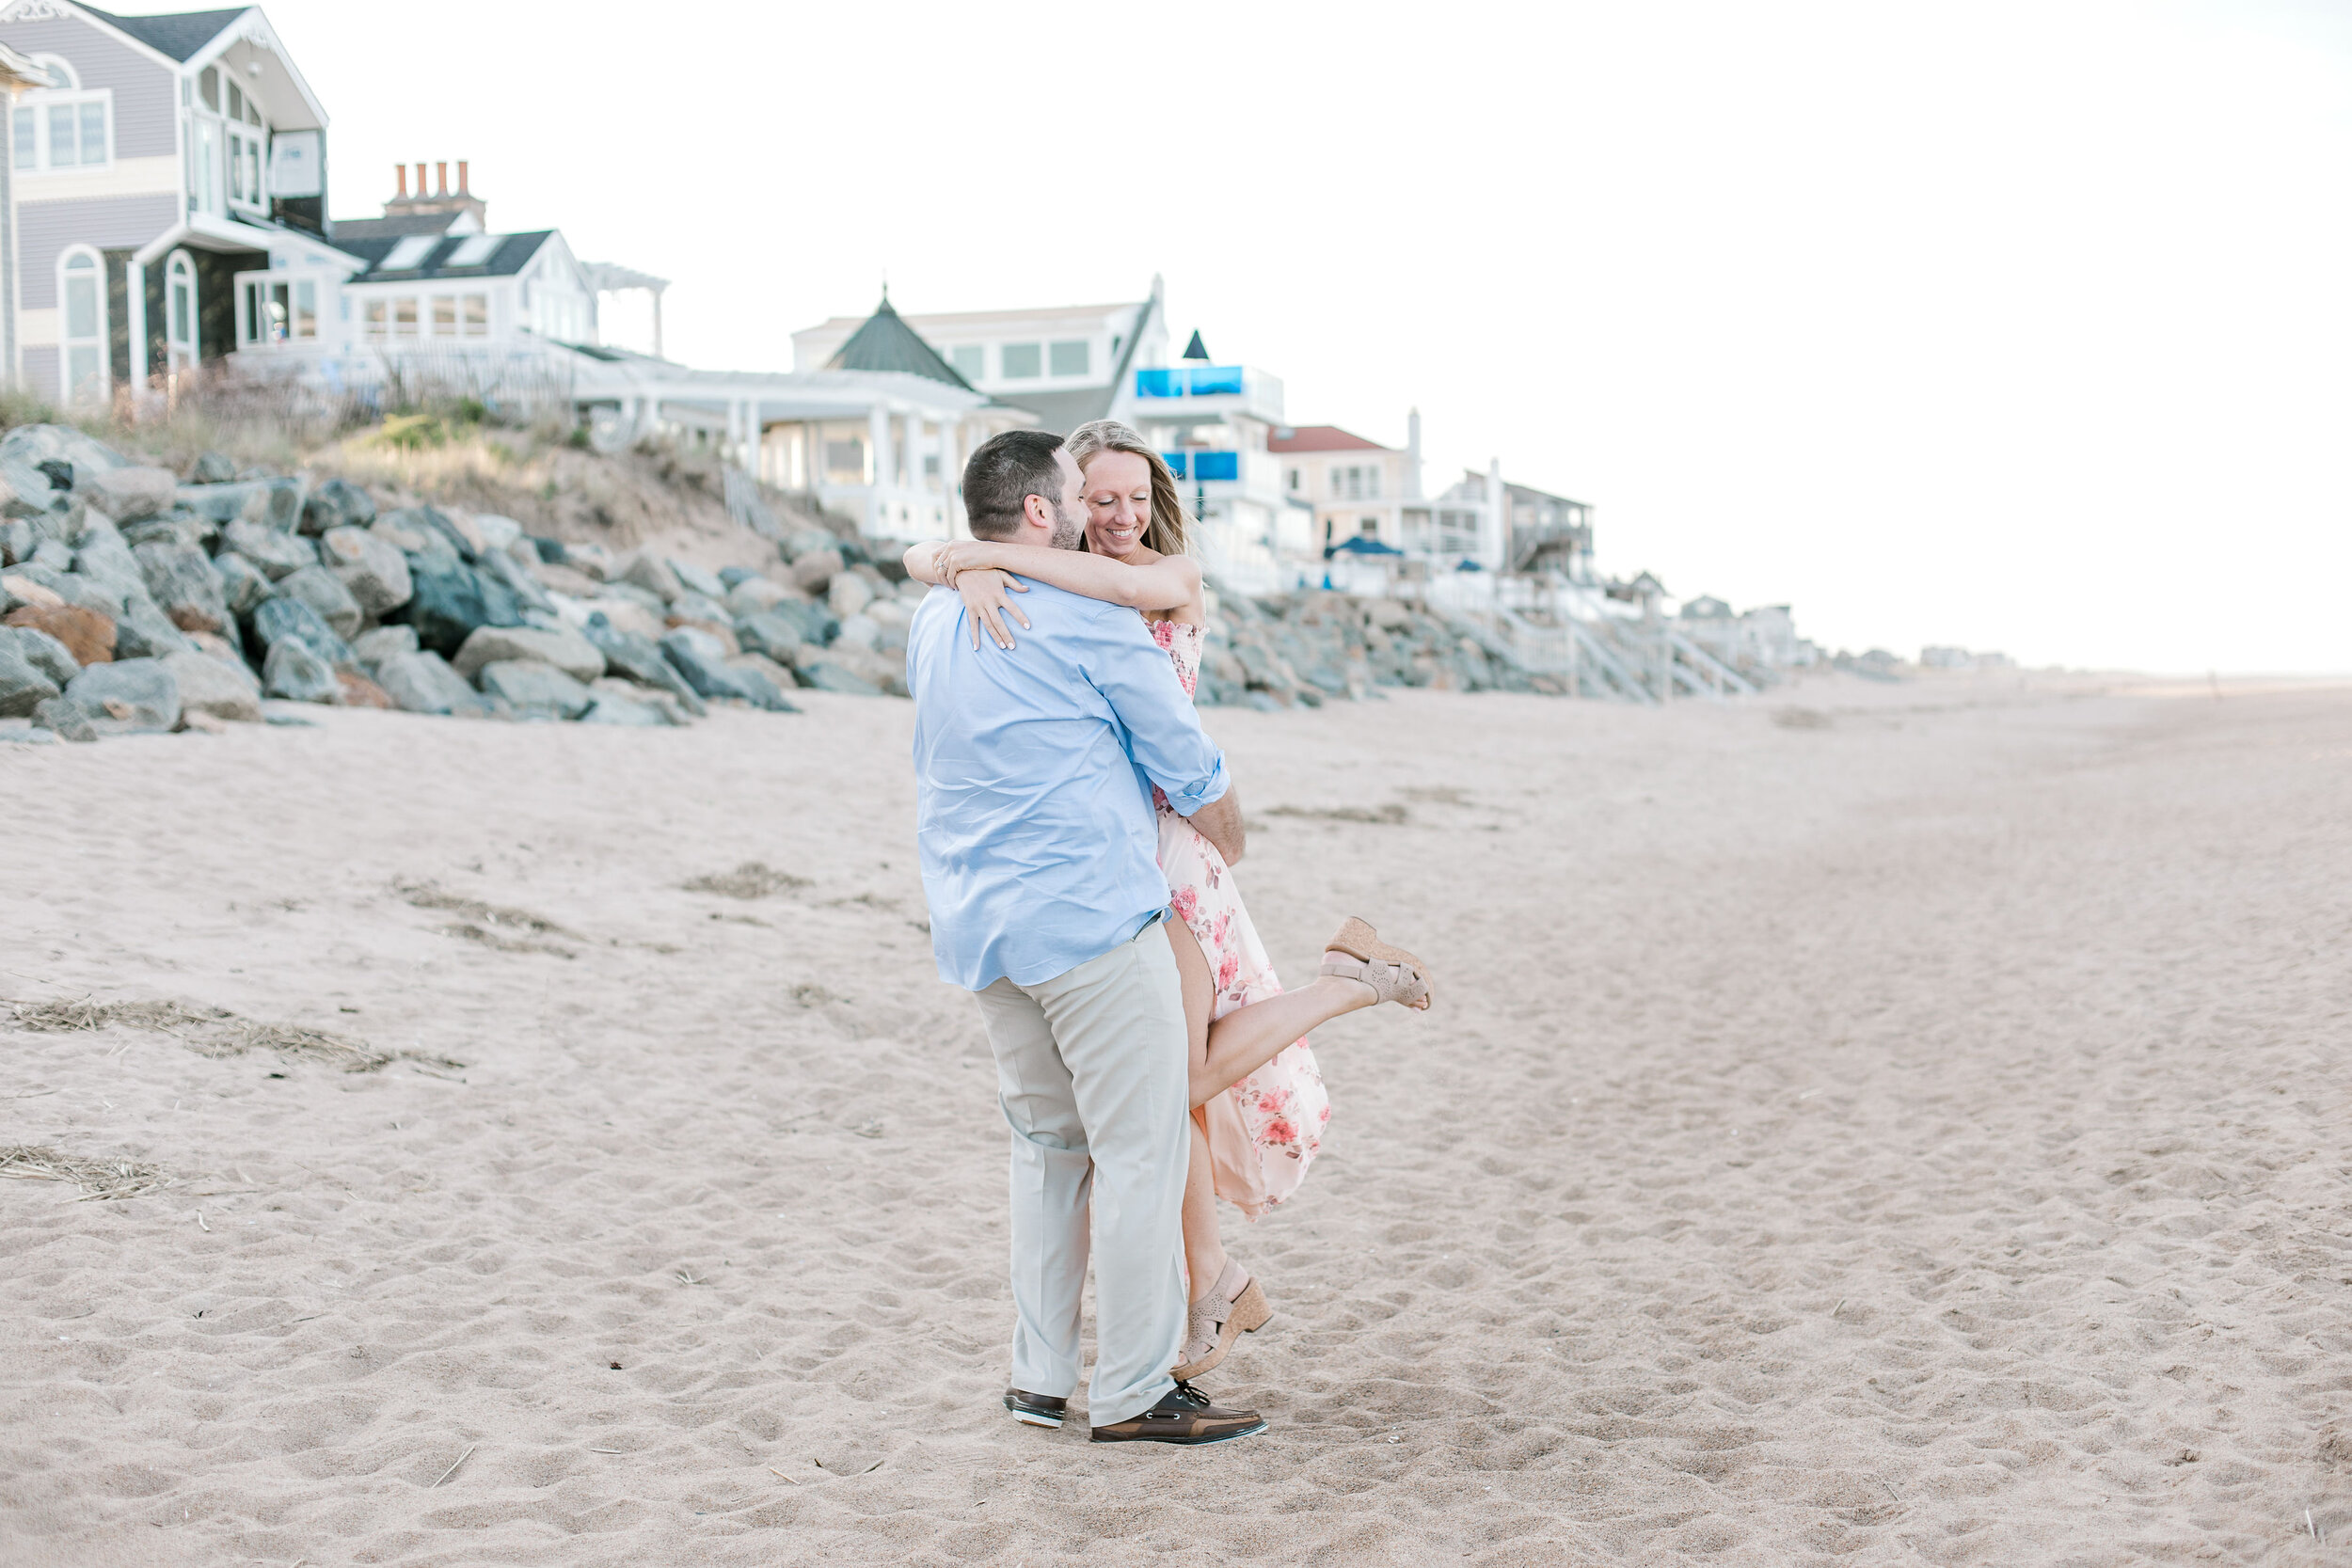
(146,95)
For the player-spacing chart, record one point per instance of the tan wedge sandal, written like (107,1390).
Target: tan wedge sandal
(1236,1308)
(1395,975)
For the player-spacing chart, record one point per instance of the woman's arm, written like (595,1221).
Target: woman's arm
(922,560)
(1171,583)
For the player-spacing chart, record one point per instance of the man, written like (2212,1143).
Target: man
(1033,770)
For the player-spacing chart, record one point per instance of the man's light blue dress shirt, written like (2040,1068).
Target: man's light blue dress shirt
(1033,783)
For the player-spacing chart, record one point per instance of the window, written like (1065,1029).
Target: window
(474,251)
(82,317)
(379,320)
(1071,359)
(277,310)
(1368,526)
(445,315)
(179,341)
(1295,479)
(409,253)
(405,316)
(61,126)
(969,360)
(476,308)
(1020,361)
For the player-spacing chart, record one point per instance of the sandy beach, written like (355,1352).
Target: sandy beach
(1869,1124)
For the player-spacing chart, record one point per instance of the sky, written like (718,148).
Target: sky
(2010,326)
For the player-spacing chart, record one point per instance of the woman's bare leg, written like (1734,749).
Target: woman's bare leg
(1247,1037)
(1204,1252)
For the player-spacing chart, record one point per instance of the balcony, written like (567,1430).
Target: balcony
(1204,465)
(1188,393)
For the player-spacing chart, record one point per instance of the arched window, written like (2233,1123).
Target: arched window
(82,325)
(62,125)
(181,348)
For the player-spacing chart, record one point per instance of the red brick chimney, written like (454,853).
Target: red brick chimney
(430,201)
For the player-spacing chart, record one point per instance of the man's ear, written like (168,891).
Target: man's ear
(1039,511)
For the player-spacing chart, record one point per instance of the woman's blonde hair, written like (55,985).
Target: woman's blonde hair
(1169,531)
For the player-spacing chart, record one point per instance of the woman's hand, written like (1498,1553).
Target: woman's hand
(965,555)
(982,590)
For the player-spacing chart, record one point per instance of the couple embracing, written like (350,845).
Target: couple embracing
(1069,805)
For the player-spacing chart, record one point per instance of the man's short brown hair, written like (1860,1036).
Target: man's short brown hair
(1004,473)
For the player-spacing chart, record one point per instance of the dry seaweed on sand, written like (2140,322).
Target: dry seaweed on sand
(752,879)
(425,895)
(214,1031)
(98,1178)
(1385,817)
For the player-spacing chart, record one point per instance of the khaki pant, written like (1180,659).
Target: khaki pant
(1091,1073)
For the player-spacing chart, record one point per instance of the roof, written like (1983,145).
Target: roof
(509,256)
(394,226)
(1318,437)
(1063,412)
(886,343)
(180,35)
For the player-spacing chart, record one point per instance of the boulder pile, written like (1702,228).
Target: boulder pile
(134,601)
(1299,649)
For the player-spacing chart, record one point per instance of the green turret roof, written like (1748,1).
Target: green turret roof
(886,343)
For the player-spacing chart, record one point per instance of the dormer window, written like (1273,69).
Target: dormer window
(411,252)
(62,125)
(475,251)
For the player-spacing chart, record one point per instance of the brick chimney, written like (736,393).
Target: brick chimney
(425,202)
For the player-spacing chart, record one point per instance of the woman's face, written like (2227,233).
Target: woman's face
(1119,503)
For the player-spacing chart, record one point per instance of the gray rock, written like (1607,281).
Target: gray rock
(425,683)
(292,671)
(858,631)
(732,578)
(408,531)
(213,468)
(56,554)
(130,495)
(752,595)
(377,643)
(216,687)
(769,634)
(640,659)
(535,690)
(71,587)
(325,593)
(244,500)
(281,509)
(697,579)
(498,534)
(831,674)
(181,579)
(23,685)
(336,503)
(815,571)
(143,631)
(847,595)
(243,584)
(690,606)
(73,455)
(275,553)
(106,560)
(564,648)
(279,620)
(449,530)
(613,707)
(16,541)
(700,661)
(450,601)
(43,652)
(816,625)
(175,527)
(518,580)
(375,572)
(809,542)
(768,680)
(130,696)
(650,574)
(62,718)
(653,605)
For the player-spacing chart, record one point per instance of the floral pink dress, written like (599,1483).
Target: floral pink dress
(1265,1129)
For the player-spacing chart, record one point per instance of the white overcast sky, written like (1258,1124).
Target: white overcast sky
(2015,326)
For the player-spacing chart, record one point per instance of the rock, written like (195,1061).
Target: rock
(697,579)
(612,708)
(243,584)
(460,527)
(106,560)
(56,554)
(640,659)
(830,675)
(627,615)
(769,634)
(535,690)
(359,691)
(62,718)
(84,633)
(645,571)
(281,508)
(777,676)
(24,686)
(16,540)
(721,632)
(425,683)
(292,671)
(336,503)
(39,462)
(699,609)
(213,468)
(247,502)
(325,593)
(181,579)
(377,643)
(211,686)
(280,620)
(450,602)
(816,625)
(813,572)
(22,587)
(276,554)
(750,595)
(131,696)
(857,631)
(567,650)
(732,578)
(217,645)
(518,580)
(590,560)
(131,495)
(65,587)
(549,551)
(807,542)
(848,595)
(146,632)
(498,534)
(43,652)
(701,662)
(655,607)
(177,528)
(375,572)
(408,531)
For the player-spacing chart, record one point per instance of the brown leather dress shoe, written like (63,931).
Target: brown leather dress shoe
(1183,1415)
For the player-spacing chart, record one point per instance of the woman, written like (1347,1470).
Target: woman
(1257,1100)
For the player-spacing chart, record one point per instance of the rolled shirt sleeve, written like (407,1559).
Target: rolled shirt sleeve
(1163,734)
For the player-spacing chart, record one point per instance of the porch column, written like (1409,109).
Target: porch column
(135,285)
(951,475)
(878,431)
